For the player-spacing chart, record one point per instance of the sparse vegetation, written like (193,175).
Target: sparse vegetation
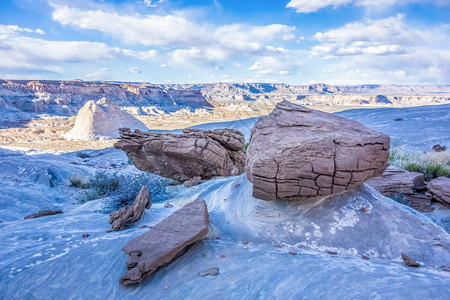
(123,189)
(77,181)
(245,147)
(431,164)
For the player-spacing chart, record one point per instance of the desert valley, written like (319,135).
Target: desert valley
(172,149)
(69,166)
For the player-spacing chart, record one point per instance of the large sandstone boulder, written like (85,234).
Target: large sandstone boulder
(404,186)
(132,213)
(440,189)
(165,241)
(101,120)
(298,152)
(203,153)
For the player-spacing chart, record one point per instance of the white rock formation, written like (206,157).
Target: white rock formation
(101,120)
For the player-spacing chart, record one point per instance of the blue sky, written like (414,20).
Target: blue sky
(202,41)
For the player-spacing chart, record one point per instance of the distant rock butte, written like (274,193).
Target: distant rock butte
(166,241)
(297,152)
(203,153)
(101,120)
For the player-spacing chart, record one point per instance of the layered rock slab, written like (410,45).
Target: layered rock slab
(298,152)
(203,153)
(408,187)
(440,189)
(132,213)
(165,241)
(101,119)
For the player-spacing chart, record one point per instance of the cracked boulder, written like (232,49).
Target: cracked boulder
(440,189)
(297,152)
(166,241)
(203,153)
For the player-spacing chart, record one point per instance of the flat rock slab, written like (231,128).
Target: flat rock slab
(408,186)
(297,152)
(165,241)
(440,189)
(43,213)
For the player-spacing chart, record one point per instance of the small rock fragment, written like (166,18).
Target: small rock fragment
(278,246)
(85,235)
(446,270)
(43,213)
(211,272)
(245,242)
(108,231)
(364,210)
(332,252)
(365,257)
(218,238)
(168,205)
(236,185)
(398,119)
(193,181)
(410,262)
(439,148)
(292,253)
(166,287)
(223,256)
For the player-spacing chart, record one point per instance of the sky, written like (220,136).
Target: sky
(203,41)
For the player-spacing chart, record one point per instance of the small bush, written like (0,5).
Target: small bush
(413,167)
(76,181)
(123,189)
(434,170)
(245,147)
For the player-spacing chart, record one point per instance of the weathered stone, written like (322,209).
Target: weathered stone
(409,261)
(211,272)
(202,153)
(297,152)
(193,181)
(440,189)
(119,218)
(43,213)
(395,182)
(165,241)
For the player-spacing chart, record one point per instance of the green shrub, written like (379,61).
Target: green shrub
(77,181)
(434,170)
(413,167)
(245,147)
(123,189)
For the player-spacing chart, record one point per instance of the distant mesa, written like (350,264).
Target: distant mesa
(101,120)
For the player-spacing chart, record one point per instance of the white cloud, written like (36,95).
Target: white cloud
(13,29)
(194,42)
(99,75)
(134,70)
(284,65)
(384,50)
(151,3)
(164,66)
(308,6)
(26,53)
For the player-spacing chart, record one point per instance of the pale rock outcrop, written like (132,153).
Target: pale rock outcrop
(440,189)
(409,186)
(43,213)
(202,153)
(101,120)
(193,181)
(132,213)
(166,241)
(298,152)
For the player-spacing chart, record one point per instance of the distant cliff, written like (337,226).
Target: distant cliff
(66,97)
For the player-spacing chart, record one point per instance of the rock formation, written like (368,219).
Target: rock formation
(203,153)
(440,189)
(119,218)
(297,152)
(101,120)
(43,213)
(410,186)
(165,241)
(193,181)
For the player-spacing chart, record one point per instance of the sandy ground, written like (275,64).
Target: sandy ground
(45,134)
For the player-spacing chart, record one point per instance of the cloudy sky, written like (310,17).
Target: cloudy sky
(200,41)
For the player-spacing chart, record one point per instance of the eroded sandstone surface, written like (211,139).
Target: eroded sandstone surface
(298,152)
(165,241)
(440,189)
(204,153)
